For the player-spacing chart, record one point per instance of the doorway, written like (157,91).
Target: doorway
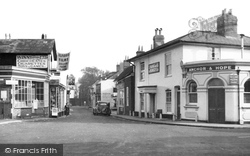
(5,103)
(178,102)
(216,101)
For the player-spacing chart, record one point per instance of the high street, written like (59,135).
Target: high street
(82,133)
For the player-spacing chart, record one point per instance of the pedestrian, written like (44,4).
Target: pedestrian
(67,109)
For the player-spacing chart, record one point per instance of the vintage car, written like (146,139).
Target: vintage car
(102,108)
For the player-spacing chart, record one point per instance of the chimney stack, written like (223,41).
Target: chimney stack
(227,24)
(158,40)
(140,51)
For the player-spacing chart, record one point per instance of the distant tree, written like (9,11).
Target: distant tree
(89,77)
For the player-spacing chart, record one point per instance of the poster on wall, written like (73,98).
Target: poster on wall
(63,61)
(32,61)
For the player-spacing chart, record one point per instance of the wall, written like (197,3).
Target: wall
(107,91)
(163,82)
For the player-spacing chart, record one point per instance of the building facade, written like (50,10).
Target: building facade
(24,76)
(203,77)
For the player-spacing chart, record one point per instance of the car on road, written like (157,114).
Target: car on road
(102,108)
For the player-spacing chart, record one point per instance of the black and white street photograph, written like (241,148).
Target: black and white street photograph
(124,78)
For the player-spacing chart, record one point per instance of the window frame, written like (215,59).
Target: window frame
(142,71)
(247,92)
(192,92)
(168,64)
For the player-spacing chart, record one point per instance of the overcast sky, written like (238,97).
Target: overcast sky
(101,33)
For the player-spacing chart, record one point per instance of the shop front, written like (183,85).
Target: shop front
(216,91)
(23,92)
(57,100)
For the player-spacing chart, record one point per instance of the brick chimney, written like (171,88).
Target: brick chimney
(158,38)
(227,24)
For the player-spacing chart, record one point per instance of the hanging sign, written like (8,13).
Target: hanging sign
(63,61)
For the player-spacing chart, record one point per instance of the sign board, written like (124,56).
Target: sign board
(11,82)
(32,61)
(210,68)
(54,111)
(63,61)
(233,79)
(154,68)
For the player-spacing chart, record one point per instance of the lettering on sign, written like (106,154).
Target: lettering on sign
(233,79)
(31,61)
(210,68)
(154,68)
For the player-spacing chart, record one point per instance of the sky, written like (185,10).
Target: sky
(101,33)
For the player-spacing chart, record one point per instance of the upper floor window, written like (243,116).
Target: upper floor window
(214,54)
(142,71)
(192,92)
(168,64)
(247,92)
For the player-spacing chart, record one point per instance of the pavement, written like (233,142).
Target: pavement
(181,122)
(138,119)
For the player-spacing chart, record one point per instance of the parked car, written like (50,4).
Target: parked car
(102,108)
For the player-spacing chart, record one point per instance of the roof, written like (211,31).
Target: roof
(125,73)
(201,37)
(28,46)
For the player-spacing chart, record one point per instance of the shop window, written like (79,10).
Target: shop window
(142,101)
(247,92)
(142,72)
(168,64)
(23,94)
(26,92)
(192,92)
(168,100)
(38,93)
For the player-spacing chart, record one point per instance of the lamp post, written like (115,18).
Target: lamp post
(239,107)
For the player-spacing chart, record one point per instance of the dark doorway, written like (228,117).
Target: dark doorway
(216,101)
(5,103)
(178,102)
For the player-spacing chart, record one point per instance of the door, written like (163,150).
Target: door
(177,102)
(216,104)
(5,103)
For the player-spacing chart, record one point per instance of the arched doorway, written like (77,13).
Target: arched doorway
(216,101)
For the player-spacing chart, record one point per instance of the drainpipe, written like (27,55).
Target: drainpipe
(239,110)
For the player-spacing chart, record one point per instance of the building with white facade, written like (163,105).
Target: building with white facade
(203,76)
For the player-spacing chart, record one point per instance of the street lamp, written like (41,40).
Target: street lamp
(239,110)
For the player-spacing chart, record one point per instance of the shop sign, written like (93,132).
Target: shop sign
(233,79)
(32,61)
(54,82)
(63,61)
(211,68)
(11,82)
(154,68)
(54,111)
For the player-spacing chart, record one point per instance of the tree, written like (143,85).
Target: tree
(89,77)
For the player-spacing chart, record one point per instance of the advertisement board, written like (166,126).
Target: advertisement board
(32,61)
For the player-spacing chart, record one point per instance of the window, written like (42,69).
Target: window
(23,94)
(27,91)
(142,72)
(214,54)
(192,92)
(168,100)
(121,97)
(247,92)
(168,64)
(127,96)
(142,101)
